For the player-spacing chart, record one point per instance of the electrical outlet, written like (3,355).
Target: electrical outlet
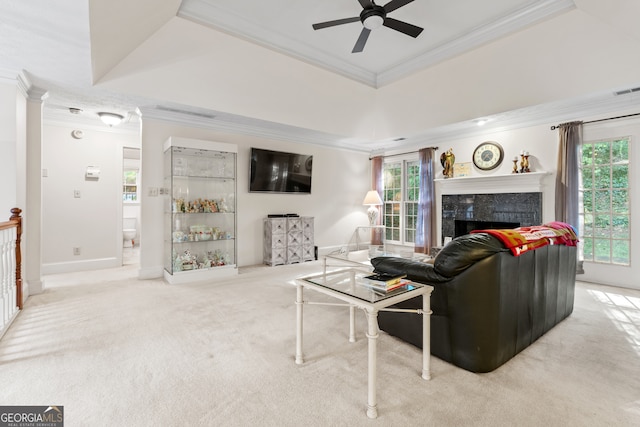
(76,251)
(76,194)
(153,191)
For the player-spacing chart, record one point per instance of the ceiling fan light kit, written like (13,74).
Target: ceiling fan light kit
(373,17)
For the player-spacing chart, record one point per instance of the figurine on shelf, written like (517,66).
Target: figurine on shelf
(515,165)
(524,163)
(447,159)
(222,206)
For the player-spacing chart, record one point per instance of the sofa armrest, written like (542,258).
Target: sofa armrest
(417,271)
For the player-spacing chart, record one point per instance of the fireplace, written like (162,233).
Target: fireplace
(462,226)
(462,213)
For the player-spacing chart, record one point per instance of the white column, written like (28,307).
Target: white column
(32,212)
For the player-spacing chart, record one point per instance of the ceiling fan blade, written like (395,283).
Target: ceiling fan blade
(366,3)
(403,27)
(336,22)
(362,40)
(395,4)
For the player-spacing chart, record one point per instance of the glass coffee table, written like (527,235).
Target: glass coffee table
(349,286)
(360,258)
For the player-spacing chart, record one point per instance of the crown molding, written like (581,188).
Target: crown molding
(510,24)
(234,124)
(207,14)
(584,108)
(8,76)
(29,90)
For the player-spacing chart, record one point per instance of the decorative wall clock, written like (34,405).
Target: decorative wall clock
(488,155)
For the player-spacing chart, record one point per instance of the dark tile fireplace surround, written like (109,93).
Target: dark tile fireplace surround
(462,213)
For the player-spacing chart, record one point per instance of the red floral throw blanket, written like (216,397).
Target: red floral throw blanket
(523,239)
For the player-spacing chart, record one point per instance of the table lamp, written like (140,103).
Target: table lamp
(372,199)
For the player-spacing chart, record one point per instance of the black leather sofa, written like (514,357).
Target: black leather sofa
(488,305)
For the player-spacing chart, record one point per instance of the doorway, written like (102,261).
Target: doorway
(131,206)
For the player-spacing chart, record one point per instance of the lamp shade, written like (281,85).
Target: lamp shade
(372,198)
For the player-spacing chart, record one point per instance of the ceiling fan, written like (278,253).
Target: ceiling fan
(372,17)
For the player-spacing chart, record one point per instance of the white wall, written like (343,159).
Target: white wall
(561,58)
(539,141)
(8,159)
(339,182)
(542,143)
(93,221)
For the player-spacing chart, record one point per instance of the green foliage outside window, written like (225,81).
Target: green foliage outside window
(605,201)
(130,186)
(401,194)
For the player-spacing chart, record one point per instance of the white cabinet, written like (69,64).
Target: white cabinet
(288,240)
(200,210)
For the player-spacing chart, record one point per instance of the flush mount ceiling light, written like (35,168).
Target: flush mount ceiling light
(111,119)
(482,121)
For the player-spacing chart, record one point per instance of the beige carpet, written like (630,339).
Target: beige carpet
(116,351)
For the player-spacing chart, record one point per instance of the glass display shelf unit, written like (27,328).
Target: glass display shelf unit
(200,214)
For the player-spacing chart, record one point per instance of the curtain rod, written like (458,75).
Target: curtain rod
(402,154)
(601,120)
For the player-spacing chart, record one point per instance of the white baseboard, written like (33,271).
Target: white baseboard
(72,267)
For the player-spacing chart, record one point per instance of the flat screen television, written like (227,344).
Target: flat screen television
(279,172)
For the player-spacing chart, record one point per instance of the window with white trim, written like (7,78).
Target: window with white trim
(604,201)
(400,197)
(130,185)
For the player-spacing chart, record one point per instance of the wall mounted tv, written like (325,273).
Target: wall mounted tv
(279,172)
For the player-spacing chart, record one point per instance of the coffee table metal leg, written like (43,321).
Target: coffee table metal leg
(352,312)
(352,323)
(299,303)
(372,335)
(426,336)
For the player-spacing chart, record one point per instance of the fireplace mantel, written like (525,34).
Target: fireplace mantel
(531,182)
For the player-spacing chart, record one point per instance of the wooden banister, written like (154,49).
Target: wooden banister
(16,221)
(15,216)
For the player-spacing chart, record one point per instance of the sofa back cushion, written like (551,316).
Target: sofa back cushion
(462,252)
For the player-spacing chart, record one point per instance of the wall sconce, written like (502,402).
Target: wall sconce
(111,119)
(372,199)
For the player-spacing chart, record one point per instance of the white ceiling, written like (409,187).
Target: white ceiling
(108,55)
(450,28)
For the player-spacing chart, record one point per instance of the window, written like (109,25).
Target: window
(604,207)
(130,186)
(400,197)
